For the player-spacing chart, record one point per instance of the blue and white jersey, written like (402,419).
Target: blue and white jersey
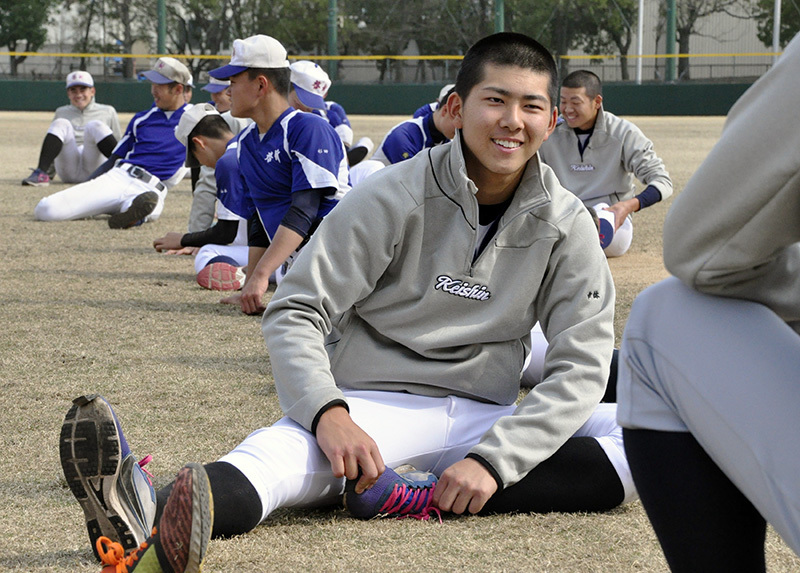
(300,151)
(426,109)
(405,140)
(230,191)
(150,142)
(337,117)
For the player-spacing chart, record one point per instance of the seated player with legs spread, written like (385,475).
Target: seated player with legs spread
(710,358)
(597,155)
(221,250)
(421,324)
(82,135)
(132,184)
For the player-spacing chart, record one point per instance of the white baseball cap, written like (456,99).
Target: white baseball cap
(167,70)
(80,78)
(188,121)
(443,92)
(215,86)
(311,83)
(257,51)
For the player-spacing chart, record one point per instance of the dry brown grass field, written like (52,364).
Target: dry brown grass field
(88,309)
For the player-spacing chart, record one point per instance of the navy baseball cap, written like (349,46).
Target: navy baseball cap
(258,51)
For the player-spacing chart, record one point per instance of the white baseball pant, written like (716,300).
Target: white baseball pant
(288,469)
(110,193)
(76,162)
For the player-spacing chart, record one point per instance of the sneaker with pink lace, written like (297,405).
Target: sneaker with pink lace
(110,483)
(402,492)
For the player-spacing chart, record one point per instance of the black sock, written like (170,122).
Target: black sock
(702,520)
(107,145)
(51,147)
(237,507)
(578,477)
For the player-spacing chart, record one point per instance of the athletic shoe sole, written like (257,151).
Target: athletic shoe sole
(221,276)
(188,517)
(140,208)
(35,183)
(90,457)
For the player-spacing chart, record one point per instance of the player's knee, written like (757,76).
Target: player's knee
(96,130)
(61,128)
(47,210)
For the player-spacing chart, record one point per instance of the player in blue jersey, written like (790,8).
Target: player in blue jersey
(429,108)
(292,164)
(220,250)
(219,93)
(409,137)
(132,184)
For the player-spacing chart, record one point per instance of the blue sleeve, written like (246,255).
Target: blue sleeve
(317,153)
(230,189)
(337,115)
(403,143)
(648,196)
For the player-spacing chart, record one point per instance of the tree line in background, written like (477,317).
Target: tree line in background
(367,27)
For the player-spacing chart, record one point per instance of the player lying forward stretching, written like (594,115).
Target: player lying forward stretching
(451,258)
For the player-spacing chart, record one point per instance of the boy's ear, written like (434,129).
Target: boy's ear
(455,108)
(199,141)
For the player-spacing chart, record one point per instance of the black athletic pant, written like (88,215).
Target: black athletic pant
(702,520)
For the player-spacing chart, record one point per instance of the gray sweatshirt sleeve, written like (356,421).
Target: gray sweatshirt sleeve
(576,311)
(734,230)
(339,266)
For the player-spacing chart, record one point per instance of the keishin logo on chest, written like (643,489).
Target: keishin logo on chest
(274,155)
(461,288)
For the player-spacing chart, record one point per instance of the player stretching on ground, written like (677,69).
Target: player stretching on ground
(220,251)
(80,137)
(132,185)
(406,346)
(596,155)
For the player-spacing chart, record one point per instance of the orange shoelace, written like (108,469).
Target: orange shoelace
(112,553)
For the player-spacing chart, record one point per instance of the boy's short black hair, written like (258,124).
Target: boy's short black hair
(278,77)
(212,126)
(584,79)
(506,49)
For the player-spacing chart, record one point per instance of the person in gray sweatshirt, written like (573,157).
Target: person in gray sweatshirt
(709,370)
(399,334)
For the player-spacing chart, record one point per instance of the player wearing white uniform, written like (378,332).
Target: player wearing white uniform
(597,155)
(132,185)
(82,135)
(409,137)
(220,251)
(406,347)
(710,360)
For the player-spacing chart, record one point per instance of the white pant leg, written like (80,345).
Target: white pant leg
(728,371)
(287,468)
(622,236)
(75,163)
(110,193)
(208,252)
(534,363)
